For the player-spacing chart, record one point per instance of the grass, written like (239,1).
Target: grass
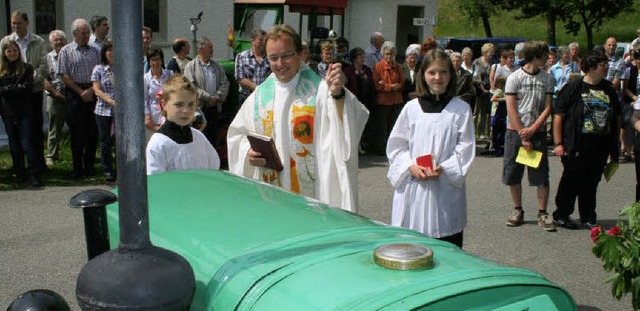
(452,23)
(57,175)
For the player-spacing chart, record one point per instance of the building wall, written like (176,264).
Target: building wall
(216,16)
(367,16)
(362,17)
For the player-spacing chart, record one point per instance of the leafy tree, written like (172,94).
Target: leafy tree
(480,10)
(591,14)
(551,9)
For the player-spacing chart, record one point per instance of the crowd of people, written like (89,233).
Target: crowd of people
(79,81)
(429,103)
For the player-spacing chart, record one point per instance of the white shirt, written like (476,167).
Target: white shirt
(435,207)
(164,154)
(209,77)
(530,91)
(23,44)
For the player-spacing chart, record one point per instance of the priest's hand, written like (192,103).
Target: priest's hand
(255,158)
(335,79)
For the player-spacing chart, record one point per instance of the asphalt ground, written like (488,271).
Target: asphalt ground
(42,240)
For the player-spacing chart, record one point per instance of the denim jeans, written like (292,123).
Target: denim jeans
(20,143)
(106,142)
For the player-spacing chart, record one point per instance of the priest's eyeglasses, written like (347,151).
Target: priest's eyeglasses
(284,58)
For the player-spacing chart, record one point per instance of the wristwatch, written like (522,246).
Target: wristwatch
(556,144)
(339,96)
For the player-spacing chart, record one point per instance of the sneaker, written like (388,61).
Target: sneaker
(590,225)
(565,223)
(516,218)
(546,222)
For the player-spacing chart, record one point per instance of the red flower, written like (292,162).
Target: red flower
(594,234)
(615,230)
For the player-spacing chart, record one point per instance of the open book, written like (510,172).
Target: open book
(267,148)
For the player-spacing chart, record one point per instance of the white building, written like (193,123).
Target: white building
(171,19)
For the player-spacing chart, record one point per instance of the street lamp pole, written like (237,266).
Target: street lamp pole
(194,29)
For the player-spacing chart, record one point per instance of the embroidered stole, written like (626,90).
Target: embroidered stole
(300,128)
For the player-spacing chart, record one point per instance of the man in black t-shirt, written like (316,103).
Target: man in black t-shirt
(586,127)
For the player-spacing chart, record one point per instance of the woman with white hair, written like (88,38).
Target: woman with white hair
(464,82)
(467,60)
(389,82)
(574,49)
(410,70)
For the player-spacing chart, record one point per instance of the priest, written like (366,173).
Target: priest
(315,123)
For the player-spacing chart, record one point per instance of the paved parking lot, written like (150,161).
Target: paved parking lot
(42,240)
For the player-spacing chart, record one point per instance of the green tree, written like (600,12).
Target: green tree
(551,9)
(591,14)
(480,10)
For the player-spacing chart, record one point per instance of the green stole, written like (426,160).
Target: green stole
(301,162)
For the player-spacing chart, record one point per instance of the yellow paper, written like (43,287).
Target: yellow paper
(609,170)
(529,158)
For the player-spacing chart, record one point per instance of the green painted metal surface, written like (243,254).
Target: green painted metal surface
(256,247)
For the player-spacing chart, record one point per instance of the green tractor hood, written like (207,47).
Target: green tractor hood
(256,247)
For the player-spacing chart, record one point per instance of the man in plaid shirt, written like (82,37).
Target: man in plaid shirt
(75,65)
(252,67)
(616,63)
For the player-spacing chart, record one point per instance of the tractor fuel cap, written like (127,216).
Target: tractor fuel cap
(403,256)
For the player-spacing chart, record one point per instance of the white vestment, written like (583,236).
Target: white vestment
(333,159)
(164,154)
(435,207)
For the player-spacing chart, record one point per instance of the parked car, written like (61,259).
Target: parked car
(622,50)
(253,246)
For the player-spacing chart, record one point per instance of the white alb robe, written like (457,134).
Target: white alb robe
(335,141)
(435,207)
(164,154)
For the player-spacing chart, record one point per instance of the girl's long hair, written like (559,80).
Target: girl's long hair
(432,56)
(5,68)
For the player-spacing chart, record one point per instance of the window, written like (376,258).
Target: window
(45,16)
(152,14)
(155,17)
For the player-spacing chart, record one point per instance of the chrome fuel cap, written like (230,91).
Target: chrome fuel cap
(403,256)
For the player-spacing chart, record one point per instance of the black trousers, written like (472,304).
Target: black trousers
(385,117)
(211,130)
(580,180)
(37,136)
(455,239)
(83,131)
